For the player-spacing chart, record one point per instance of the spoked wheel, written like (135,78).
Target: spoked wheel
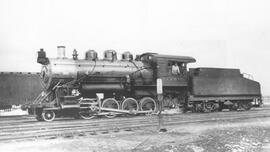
(130,104)
(197,107)
(210,107)
(48,115)
(220,107)
(148,104)
(234,106)
(88,109)
(110,103)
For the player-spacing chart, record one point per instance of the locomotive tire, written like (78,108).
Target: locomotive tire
(127,101)
(48,115)
(144,100)
(104,106)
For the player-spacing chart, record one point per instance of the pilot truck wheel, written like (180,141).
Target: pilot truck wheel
(48,115)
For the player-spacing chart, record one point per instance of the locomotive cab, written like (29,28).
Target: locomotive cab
(175,83)
(172,69)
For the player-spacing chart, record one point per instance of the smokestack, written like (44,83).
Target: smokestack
(61,52)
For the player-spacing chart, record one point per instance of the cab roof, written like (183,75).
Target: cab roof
(155,56)
(185,59)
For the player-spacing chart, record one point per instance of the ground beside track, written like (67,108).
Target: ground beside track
(235,135)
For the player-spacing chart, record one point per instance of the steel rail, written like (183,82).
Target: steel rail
(28,119)
(45,129)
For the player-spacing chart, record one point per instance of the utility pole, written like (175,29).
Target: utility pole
(160,105)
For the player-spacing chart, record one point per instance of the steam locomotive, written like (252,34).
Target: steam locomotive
(90,87)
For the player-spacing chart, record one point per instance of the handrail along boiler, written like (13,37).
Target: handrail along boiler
(85,88)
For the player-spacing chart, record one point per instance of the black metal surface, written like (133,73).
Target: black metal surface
(222,82)
(19,88)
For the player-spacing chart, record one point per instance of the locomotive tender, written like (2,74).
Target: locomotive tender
(85,88)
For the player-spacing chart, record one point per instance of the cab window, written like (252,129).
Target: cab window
(176,68)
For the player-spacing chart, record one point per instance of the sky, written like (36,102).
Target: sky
(218,33)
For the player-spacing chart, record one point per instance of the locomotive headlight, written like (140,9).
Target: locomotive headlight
(44,71)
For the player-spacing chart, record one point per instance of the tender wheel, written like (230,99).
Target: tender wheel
(210,107)
(48,115)
(147,104)
(234,106)
(220,107)
(245,105)
(197,107)
(130,104)
(110,103)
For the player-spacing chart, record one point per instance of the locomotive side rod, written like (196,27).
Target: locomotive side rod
(107,110)
(126,111)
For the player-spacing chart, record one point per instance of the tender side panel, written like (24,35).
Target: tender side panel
(222,82)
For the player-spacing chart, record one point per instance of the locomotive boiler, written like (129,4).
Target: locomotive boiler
(89,87)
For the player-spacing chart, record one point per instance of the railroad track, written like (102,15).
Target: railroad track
(24,128)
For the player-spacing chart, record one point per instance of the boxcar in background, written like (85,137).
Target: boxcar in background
(18,88)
